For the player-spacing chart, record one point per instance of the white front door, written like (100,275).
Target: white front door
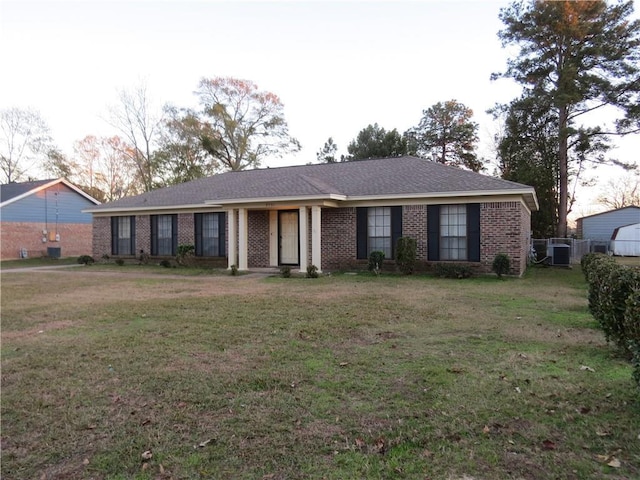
(289,242)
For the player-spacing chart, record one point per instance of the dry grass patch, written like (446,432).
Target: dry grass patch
(339,377)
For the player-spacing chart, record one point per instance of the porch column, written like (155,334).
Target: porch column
(316,237)
(304,239)
(231,227)
(243,239)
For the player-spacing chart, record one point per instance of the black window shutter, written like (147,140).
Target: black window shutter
(174,234)
(133,234)
(396,228)
(433,232)
(361,232)
(222,225)
(154,235)
(473,232)
(114,235)
(197,217)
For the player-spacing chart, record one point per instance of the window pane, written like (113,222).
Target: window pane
(165,235)
(379,230)
(211,234)
(124,236)
(453,232)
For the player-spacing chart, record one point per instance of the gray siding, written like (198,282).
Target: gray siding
(601,226)
(57,204)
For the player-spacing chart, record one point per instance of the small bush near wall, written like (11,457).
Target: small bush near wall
(85,260)
(312,271)
(406,251)
(614,301)
(376,259)
(184,258)
(501,264)
(452,270)
(285,272)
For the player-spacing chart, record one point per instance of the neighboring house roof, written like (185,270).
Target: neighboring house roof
(630,207)
(12,192)
(401,177)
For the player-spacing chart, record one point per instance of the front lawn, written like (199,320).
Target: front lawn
(340,377)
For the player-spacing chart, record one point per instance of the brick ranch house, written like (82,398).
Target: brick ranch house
(328,215)
(44,217)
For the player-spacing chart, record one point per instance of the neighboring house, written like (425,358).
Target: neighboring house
(44,218)
(599,227)
(328,215)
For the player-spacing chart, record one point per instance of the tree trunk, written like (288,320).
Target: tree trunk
(563,170)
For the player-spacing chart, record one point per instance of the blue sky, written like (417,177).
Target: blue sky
(337,66)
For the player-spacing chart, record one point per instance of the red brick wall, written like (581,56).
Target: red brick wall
(338,226)
(258,222)
(504,228)
(75,239)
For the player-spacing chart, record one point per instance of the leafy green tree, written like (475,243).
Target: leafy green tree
(327,154)
(447,135)
(527,154)
(375,142)
(581,58)
(246,124)
(181,156)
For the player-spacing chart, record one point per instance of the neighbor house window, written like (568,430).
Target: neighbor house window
(378,228)
(164,235)
(123,235)
(453,232)
(209,234)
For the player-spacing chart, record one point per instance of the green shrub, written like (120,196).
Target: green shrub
(165,263)
(185,253)
(501,264)
(312,271)
(234,270)
(119,261)
(406,251)
(85,260)
(144,257)
(376,259)
(285,272)
(452,270)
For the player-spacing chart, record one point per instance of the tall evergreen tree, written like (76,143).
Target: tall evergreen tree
(579,58)
(376,142)
(446,134)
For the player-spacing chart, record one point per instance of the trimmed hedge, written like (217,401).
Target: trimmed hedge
(614,301)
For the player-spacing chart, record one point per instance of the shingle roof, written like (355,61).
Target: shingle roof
(12,190)
(396,177)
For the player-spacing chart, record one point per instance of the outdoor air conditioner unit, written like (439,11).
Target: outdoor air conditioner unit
(559,254)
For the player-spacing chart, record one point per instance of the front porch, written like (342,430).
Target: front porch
(294,237)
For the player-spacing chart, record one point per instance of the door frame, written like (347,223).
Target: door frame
(297,212)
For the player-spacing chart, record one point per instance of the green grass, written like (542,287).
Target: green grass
(37,262)
(340,377)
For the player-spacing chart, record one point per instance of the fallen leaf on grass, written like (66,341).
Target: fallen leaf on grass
(85,461)
(486,429)
(203,444)
(359,443)
(380,445)
(147,455)
(609,460)
(548,445)
(603,433)
(344,364)
(588,369)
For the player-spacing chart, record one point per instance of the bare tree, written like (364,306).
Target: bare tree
(138,121)
(24,143)
(247,125)
(621,192)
